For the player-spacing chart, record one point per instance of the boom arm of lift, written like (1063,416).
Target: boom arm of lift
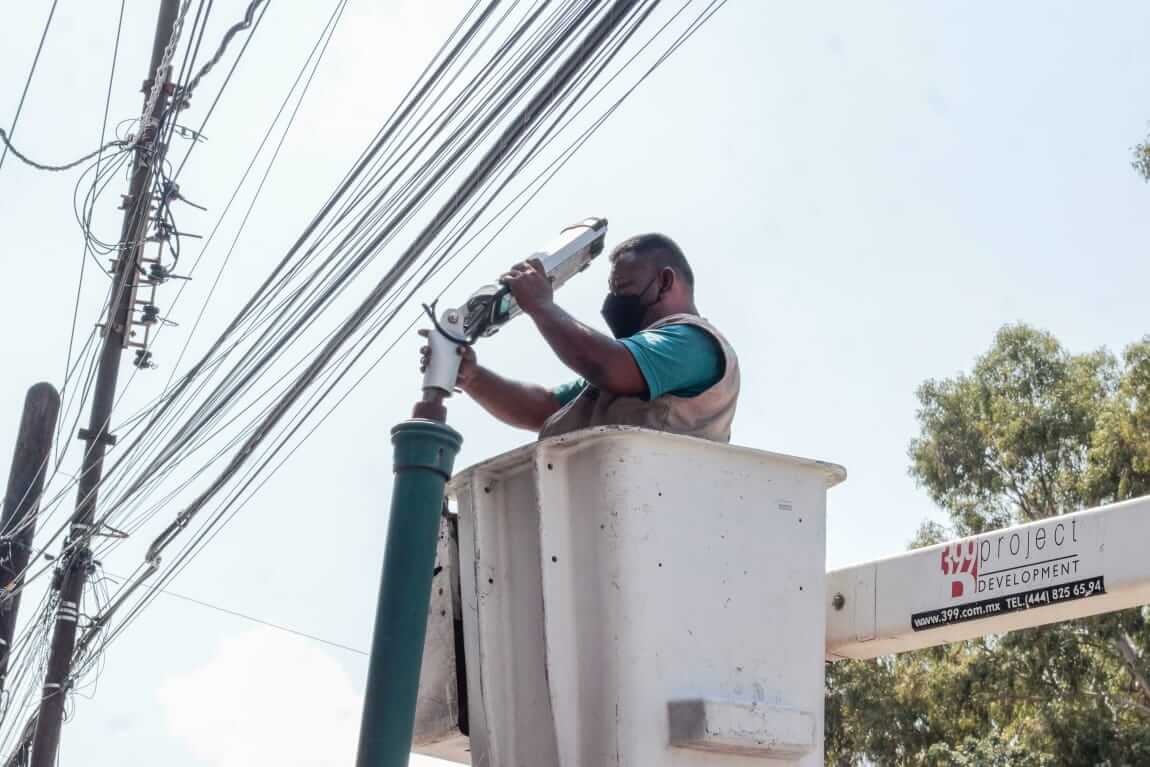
(1056,569)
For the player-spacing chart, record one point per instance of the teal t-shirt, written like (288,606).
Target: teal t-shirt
(683,360)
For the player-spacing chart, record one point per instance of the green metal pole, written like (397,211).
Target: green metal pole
(424,454)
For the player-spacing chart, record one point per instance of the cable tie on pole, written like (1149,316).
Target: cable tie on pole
(103,436)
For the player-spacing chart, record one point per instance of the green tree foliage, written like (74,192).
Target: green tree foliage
(1031,431)
(1141,161)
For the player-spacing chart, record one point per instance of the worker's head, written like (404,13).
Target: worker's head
(650,279)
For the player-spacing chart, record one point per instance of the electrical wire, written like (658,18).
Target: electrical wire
(386,190)
(103,177)
(536,106)
(96,181)
(85,252)
(149,430)
(107,248)
(231,71)
(692,29)
(7,141)
(253,619)
(235,29)
(24,93)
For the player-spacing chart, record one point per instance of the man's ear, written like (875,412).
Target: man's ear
(667,279)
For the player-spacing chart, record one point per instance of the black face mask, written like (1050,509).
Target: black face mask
(624,313)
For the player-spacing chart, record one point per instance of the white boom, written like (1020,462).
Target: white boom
(1052,570)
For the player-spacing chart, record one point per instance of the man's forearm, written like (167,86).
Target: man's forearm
(601,360)
(524,405)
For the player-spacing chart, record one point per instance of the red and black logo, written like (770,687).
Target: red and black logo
(960,560)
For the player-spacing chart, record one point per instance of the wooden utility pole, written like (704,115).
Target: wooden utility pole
(21,502)
(76,561)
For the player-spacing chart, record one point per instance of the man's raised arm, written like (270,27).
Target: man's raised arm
(603,361)
(524,405)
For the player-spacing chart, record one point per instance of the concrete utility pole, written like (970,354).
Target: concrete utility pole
(21,502)
(76,560)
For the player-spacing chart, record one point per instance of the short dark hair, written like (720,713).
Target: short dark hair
(661,250)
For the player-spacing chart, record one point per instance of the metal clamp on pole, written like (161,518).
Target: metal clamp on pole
(443,365)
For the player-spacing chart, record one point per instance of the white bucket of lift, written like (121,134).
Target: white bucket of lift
(634,598)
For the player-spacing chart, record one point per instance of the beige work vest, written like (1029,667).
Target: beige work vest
(707,415)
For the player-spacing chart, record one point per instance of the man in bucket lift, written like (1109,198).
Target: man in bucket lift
(667,368)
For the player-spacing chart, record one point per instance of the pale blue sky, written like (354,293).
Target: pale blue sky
(866,191)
